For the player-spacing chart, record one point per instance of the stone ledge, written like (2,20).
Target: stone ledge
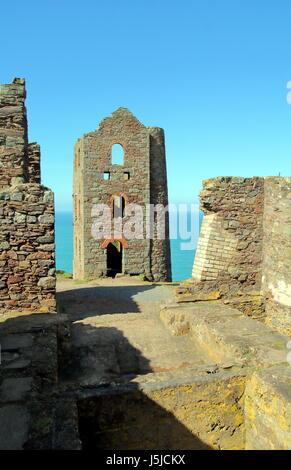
(194,413)
(268,409)
(226,334)
(23,322)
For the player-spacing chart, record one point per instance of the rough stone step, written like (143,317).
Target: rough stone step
(227,334)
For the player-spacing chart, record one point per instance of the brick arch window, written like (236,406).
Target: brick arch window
(117,154)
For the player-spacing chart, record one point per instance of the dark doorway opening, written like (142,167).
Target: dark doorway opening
(114,258)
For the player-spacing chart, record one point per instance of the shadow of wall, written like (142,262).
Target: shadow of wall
(105,378)
(99,300)
(113,411)
(129,420)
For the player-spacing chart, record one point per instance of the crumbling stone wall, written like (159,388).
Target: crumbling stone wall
(27,251)
(229,252)
(268,409)
(140,180)
(244,246)
(13,135)
(34,162)
(276,282)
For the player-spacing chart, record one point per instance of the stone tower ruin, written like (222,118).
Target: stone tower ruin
(138,178)
(27,251)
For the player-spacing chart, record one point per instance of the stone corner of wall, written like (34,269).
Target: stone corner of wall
(268,426)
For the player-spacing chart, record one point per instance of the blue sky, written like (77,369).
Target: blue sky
(212,73)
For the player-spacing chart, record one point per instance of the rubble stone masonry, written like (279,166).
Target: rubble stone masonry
(141,179)
(244,245)
(27,250)
(230,245)
(276,279)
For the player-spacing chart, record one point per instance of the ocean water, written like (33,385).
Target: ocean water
(182,260)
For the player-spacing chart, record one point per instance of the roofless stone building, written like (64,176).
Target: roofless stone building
(136,176)
(67,384)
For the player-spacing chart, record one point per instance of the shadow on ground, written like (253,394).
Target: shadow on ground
(100,375)
(99,355)
(113,411)
(132,421)
(84,302)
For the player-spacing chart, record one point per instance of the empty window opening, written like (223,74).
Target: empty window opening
(114,258)
(106,175)
(117,154)
(118,206)
(126,175)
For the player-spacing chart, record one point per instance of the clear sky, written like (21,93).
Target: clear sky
(212,73)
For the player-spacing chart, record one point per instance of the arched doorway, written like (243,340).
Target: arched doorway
(114,258)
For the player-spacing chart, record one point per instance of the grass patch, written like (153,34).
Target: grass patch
(280,345)
(63,274)
(83,281)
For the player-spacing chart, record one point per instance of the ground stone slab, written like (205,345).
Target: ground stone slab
(14,389)
(16,341)
(14,421)
(268,409)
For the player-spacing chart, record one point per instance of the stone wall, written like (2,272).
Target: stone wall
(27,250)
(27,264)
(204,413)
(160,249)
(229,252)
(140,180)
(276,279)
(13,133)
(268,409)
(244,249)
(34,163)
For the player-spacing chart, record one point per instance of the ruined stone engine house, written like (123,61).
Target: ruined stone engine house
(138,176)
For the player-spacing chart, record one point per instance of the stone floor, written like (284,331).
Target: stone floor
(131,337)
(116,330)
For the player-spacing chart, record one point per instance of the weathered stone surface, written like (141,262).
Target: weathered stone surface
(197,413)
(141,179)
(14,421)
(229,251)
(26,211)
(245,246)
(46,219)
(15,389)
(276,277)
(17,364)
(34,163)
(47,282)
(15,341)
(227,334)
(268,409)
(4,246)
(199,296)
